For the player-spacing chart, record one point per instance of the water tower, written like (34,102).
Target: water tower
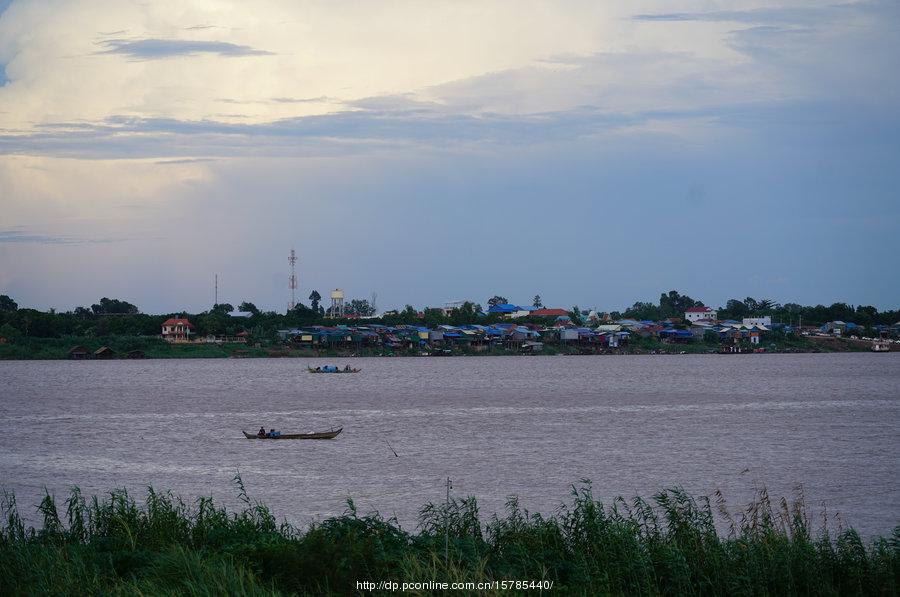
(337,303)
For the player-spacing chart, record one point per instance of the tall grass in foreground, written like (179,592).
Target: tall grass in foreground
(667,546)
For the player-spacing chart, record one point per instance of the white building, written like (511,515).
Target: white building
(177,329)
(765,321)
(699,313)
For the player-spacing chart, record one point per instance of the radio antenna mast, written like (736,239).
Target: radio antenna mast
(292,281)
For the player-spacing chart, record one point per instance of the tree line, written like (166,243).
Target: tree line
(674,304)
(119,317)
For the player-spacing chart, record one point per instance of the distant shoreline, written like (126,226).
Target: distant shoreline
(138,348)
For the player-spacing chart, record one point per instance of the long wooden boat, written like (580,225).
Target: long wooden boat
(323,435)
(312,370)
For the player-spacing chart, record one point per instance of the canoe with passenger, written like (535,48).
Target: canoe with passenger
(332,369)
(278,435)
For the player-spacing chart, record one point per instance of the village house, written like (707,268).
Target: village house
(104,352)
(836,328)
(503,309)
(766,321)
(177,330)
(78,352)
(699,313)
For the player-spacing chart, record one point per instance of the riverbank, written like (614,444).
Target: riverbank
(154,348)
(671,544)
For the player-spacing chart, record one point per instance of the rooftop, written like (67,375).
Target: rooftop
(699,310)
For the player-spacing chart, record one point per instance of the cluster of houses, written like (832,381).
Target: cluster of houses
(524,337)
(699,323)
(596,331)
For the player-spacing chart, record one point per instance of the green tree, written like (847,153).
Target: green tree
(736,309)
(575,315)
(108,306)
(536,303)
(303,315)
(464,314)
(866,315)
(314,298)
(434,317)
(840,311)
(767,305)
(642,311)
(360,307)
(213,323)
(674,304)
(223,308)
(101,328)
(248,307)
(7,305)
(497,300)
(9,332)
(792,308)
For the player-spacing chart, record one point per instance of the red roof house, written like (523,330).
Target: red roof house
(176,329)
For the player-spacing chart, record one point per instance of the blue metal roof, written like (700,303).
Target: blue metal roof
(504,308)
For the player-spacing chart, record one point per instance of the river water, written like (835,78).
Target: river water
(529,426)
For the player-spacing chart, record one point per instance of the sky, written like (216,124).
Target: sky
(595,153)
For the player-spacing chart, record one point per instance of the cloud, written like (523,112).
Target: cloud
(21,236)
(184,161)
(440,114)
(342,133)
(406,102)
(64,68)
(759,15)
(301,100)
(152,49)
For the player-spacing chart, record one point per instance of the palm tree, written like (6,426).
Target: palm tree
(767,304)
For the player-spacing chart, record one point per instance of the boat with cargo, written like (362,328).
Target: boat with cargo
(321,435)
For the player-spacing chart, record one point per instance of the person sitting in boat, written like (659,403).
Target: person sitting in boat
(318,369)
(261,433)
(271,433)
(346,367)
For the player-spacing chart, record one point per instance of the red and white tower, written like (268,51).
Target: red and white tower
(292,281)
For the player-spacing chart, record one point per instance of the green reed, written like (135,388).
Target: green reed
(672,544)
